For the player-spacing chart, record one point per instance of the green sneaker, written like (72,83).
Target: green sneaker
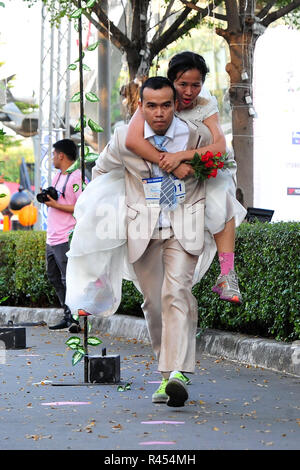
(176,389)
(160,396)
(186,380)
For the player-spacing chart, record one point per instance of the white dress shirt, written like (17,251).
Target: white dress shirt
(177,138)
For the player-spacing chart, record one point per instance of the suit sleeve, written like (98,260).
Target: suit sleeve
(109,159)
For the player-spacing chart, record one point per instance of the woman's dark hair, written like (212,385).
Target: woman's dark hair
(185,61)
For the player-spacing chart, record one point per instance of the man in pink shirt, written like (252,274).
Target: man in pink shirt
(60,222)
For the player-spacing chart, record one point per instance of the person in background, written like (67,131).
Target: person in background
(60,222)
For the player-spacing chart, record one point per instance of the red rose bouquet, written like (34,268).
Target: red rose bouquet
(207,165)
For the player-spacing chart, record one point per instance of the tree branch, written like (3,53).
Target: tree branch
(175,31)
(161,24)
(266,9)
(280,13)
(209,7)
(190,5)
(218,16)
(163,40)
(105,26)
(161,29)
(125,20)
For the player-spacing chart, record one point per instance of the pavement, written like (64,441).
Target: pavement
(45,403)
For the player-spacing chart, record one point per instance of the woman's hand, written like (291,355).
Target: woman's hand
(183,170)
(169,161)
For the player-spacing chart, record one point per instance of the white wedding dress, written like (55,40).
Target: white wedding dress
(97,260)
(221,203)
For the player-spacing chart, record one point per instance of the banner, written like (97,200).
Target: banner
(277,126)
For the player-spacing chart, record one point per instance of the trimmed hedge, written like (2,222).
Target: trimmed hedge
(267,262)
(23,275)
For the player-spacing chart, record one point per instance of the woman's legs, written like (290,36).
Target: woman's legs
(227,283)
(225,240)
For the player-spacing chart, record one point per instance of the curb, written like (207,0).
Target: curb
(251,350)
(259,352)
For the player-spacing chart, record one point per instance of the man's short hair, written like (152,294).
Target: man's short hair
(156,83)
(68,147)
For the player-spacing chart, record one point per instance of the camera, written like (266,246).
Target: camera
(42,197)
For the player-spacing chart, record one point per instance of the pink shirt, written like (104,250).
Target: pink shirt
(60,223)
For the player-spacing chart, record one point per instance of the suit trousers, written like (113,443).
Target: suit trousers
(165,274)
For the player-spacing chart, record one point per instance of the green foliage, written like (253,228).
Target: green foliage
(267,263)
(2,135)
(11,158)
(131,300)
(7,141)
(75,343)
(23,271)
(293,19)
(266,260)
(26,108)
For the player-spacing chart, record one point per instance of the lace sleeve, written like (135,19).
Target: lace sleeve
(204,109)
(210,108)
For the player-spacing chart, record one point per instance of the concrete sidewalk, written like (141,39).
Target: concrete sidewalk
(255,351)
(46,404)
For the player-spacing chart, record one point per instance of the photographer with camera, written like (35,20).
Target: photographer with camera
(60,199)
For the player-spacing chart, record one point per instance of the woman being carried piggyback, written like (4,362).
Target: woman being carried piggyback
(223,213)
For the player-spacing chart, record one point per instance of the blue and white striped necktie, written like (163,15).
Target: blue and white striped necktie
(168,198)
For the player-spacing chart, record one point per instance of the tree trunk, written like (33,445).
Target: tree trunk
(240,70)
(138,58)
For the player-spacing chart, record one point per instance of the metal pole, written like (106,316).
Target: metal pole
(51,109)
(38,147)
(104,86)
(81,98)
(86,357)
(67,106)
(58,82)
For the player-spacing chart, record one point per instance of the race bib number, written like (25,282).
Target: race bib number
(179,190)
(152,188)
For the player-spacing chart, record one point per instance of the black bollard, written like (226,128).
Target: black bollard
(13,337)
(104,369)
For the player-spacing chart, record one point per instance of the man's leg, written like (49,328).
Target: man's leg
(179,310)
(57,267)
(162,256)
(149,271)
(62,261)
(54,273)
(179,320)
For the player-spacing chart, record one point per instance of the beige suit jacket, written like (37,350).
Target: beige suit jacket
(187,220)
